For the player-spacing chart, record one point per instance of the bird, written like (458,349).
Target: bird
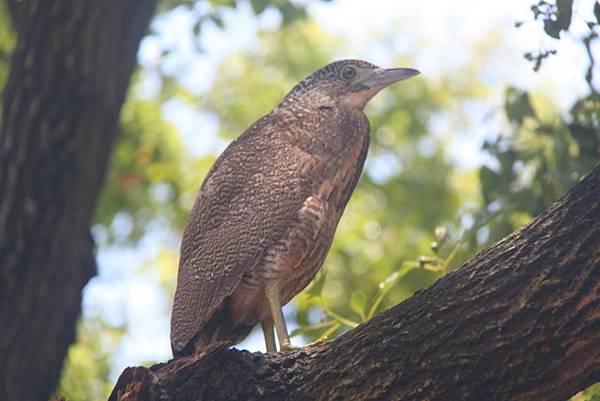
(267,211)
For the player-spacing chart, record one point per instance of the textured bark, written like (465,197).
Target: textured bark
(68,78)
(520,321)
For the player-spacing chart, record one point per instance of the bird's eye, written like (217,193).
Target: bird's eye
(348,72)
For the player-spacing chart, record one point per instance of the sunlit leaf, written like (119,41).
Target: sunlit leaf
(316,288)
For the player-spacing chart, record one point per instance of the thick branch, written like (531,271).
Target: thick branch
(520,321)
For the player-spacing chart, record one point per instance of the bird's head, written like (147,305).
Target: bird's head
(351,82)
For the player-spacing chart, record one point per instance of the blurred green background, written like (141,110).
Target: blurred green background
(503,120)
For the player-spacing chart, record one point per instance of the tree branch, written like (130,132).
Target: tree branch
(520,321)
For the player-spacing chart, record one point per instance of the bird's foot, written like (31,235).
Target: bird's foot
(285,347)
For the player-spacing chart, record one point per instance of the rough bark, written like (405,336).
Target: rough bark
(68,77)
(520,321)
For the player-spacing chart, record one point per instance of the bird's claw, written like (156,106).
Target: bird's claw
(286,347)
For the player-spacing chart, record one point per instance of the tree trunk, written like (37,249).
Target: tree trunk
(68,78)
(520,321)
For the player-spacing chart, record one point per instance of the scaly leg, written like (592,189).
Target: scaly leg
(272,294)
(267,327)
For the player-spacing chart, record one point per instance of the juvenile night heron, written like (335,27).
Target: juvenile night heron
(267,211)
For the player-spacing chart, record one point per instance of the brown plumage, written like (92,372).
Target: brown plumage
(267,211)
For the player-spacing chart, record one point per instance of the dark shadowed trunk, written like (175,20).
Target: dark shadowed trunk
(68,78)
(520,321)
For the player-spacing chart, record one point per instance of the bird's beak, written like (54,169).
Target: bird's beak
(382,77)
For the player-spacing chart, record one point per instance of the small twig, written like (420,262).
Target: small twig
(589,76)
(337,317)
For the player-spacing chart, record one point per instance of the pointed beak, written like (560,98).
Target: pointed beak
(382,77)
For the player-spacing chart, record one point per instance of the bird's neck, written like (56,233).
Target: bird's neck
(305,100)
(333,127)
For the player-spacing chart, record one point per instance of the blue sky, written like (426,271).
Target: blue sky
(440,38)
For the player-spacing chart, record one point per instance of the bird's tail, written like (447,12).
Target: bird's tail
(211,348)
(212,338)
(184,361)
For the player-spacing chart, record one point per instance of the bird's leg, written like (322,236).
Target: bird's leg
(272,293)
(267,327)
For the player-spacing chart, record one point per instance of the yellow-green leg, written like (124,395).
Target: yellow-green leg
(272,294)
(267,327)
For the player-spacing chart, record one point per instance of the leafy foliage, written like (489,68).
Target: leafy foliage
(87,374)
(363,309)
(145,177)
(544,153)
(556,18)
(7,42)
(538,160)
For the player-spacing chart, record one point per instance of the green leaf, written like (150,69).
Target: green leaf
(563,14)
(552,28)
(587,138)
(316,288)
(565,11)
(517,105)
(197,27)
(490,182)
(358,303)
(340,319)
(258,6)
(218,21)
(291,12)
(223,3)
